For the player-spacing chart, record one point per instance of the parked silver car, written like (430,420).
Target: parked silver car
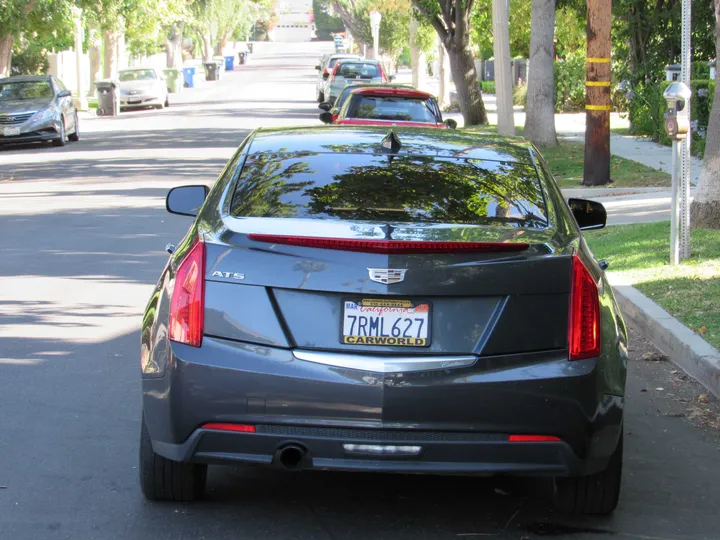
(142,87)
(37,108)
(353,71)
(325,67)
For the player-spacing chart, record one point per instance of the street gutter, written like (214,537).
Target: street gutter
(681,345)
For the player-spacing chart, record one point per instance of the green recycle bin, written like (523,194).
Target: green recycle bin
(174,80)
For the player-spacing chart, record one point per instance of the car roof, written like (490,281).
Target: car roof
(367,139)
(26,78)
(378,90)
(137,68)
(363,61)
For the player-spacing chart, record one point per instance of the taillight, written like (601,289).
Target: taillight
(383,77)
(533,438)
(187,307)
(335,70)
(394,247)
(584,320)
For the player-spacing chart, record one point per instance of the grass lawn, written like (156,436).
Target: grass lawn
(566,163)
(689,291)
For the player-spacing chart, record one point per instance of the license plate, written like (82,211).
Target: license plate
(134,100)
(11,131)
(396,322)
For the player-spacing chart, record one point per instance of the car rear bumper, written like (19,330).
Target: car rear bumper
(125,102)
(461,418)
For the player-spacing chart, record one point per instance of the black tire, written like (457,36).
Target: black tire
(162,479)
(167,101)
(75,135)
(596,494)
(62,139)
(321,97)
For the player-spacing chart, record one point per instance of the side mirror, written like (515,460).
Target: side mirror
(326,76)
(186,200)
(588,214)
(325,106)
(64,93)
(452,124)
(317,67)
(326,117)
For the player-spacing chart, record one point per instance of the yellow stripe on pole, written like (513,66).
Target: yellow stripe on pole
(598,107)
(598,60)
(597,83)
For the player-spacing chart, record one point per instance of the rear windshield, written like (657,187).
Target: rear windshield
(333,61)
(368,187)
(357,70)
(391,108)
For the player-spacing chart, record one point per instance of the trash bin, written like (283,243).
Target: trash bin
(229,63)
(108,98)
(188,77)
(172,78)
(242,57)
(212,71)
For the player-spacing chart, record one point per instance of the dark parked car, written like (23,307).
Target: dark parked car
(37,108)
(413,301)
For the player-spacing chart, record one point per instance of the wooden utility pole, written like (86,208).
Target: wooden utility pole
(503,75)
(597,93)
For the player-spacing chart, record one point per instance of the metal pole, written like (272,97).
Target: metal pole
(80,99)
(675,206)
(685,155)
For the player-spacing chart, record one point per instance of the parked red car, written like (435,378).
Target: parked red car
(377,106)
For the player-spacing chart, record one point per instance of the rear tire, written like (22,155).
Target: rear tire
(62,139)
(167,101)
(596,494)
(75,135)
(162,479)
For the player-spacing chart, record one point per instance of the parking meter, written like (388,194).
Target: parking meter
(677,117)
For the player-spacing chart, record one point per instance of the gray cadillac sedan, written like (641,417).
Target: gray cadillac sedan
(37,108)
(410,301)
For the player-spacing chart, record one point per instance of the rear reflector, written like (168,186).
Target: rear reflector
(243,428)
(187,307)
(533,438)
(584,318)
(389,246)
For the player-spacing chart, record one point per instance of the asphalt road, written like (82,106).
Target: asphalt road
(82,231)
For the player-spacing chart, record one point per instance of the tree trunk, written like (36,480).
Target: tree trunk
(173,46)
(540,107)
(94,55)
(207,48)
(705,208)
(462,66)
(6,47)
(221,45)
(110,54)
(443,91)
(503,75)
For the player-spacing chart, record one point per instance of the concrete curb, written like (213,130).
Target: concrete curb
(684,347)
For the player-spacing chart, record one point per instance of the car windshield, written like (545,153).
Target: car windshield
(25,90)
(357,70)
(391,108)
(137,75)
(369,187)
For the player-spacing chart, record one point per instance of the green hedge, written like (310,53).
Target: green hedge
(647,112)
(487,87)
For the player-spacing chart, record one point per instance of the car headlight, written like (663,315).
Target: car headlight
(45,114)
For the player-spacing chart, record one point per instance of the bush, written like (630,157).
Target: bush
(404,58)
(30,59)
(570,84)
(520,94)
(647,112)
(487,87)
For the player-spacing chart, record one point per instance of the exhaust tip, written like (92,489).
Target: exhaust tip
(291,457)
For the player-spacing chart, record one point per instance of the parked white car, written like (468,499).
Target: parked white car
(325,67)
(142,87)
(351,71)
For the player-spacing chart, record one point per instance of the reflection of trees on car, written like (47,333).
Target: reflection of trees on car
(264,182)
(432,190)
(26,90)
